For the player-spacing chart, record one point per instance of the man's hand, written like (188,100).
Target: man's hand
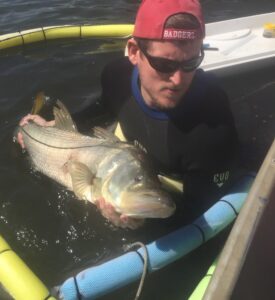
(120,220)
(36,119)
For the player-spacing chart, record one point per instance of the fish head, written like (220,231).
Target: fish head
(147,203)
(136,191)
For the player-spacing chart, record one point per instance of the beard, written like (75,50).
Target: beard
(165,101)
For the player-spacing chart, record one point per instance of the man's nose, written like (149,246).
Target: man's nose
(177,77)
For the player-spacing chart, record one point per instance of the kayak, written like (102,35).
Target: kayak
(239,44)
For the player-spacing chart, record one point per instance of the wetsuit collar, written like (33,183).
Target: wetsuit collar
(140,101)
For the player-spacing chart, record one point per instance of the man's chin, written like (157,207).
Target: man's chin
(168,103)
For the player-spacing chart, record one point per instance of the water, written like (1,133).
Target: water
(52,232)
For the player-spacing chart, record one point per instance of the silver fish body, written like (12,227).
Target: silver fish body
(94,167)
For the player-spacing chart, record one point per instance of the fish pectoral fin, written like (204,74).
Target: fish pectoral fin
(82,180)
(105,134)
(63,119)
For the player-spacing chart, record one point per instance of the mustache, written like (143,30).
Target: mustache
(173,87)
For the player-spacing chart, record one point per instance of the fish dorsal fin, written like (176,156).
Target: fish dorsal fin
(104,134)
(82,180)
(39,102)
(63,119)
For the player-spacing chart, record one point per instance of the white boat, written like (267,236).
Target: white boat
(239,43)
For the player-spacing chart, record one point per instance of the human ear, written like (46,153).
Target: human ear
(133,51)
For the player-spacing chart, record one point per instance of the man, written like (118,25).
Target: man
(170,108)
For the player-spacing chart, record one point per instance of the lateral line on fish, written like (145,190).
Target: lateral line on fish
(71,147)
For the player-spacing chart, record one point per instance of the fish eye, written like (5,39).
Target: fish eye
(138,178)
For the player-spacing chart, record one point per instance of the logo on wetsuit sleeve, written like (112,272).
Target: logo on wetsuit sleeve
(220,178)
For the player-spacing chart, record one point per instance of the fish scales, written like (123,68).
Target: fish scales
(54,147)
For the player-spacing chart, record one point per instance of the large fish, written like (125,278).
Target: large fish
(97,166)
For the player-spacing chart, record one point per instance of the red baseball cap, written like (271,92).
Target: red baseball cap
(153,14)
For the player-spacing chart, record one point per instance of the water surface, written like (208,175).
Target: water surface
(52,231)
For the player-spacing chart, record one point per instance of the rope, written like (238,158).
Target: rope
(233,208)
(22,38)
(145,264)
(44,33)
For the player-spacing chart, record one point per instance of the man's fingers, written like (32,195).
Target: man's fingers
(20,140)
(120,220)
(124,218)
(50,123)
(25,120)
(110,210)
(131,223)
(100,203)
(37,120)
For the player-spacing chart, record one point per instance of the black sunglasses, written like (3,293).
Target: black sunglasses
(165,65)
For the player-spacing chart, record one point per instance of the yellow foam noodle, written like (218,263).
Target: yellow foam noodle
(203,284)
(21,38)
(63,32)
(33,37)
(17,278)
(11,42)
(119,30)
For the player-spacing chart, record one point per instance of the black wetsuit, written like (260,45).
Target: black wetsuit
(196,141)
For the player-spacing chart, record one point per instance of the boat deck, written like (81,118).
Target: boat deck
(237,42)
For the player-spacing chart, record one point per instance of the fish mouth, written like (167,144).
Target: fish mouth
(147,204)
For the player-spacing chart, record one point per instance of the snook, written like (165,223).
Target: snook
(98,166)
